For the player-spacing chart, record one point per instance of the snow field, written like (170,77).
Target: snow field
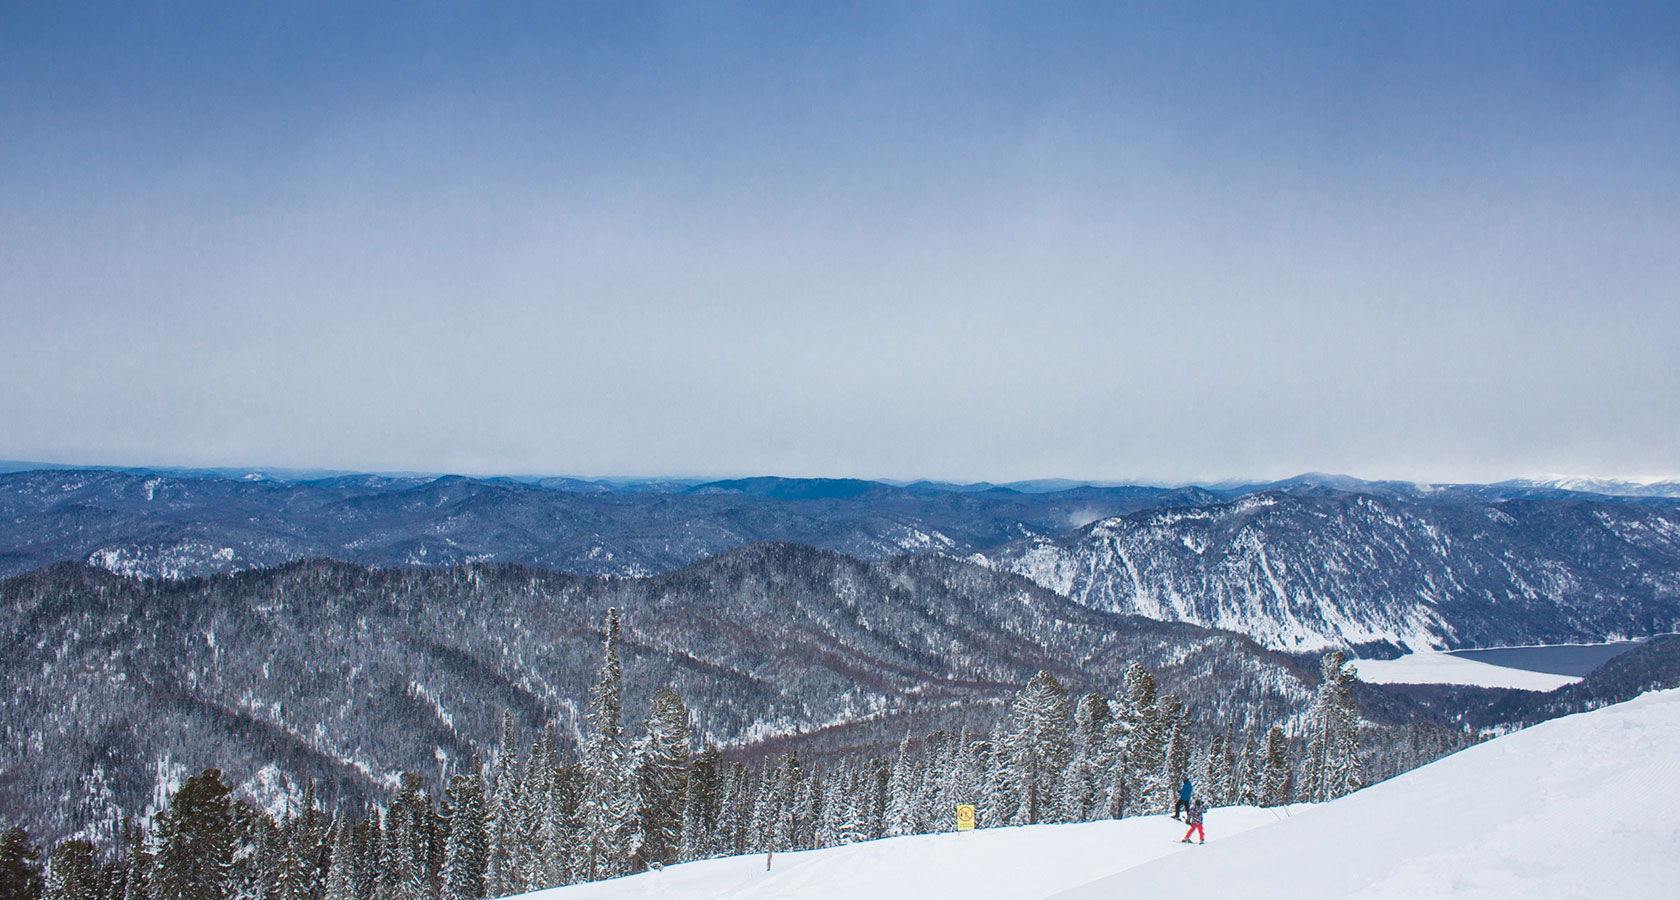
(1442,668)
(985,864)
(1582,806)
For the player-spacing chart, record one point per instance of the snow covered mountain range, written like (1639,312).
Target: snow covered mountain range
(1300,564)
(1307,571)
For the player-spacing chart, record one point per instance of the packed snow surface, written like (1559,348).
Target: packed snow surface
(1582,806)
(1444,668)
(986,864)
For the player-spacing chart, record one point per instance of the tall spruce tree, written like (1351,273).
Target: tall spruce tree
(1038,745)
(1135,745)
(1274,775)
(733,811)
(700,807)
(607,796)
(563,822)
(1253,764)
(901,791)
(196,839)
(72,872)
(467,855)
(341,875)
(1218,769)
(1082,785)
(500,814)
(660,781)
(370,858)
(530,858)
(21,875)
(1175,758)
(408,830)
(1331,768)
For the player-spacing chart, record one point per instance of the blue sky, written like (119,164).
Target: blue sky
(895,240)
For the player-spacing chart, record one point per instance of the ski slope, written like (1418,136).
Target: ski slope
(1583,806)
(987,864)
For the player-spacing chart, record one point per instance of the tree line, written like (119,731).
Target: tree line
(546,817)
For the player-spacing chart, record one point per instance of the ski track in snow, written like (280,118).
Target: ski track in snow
(1581,806)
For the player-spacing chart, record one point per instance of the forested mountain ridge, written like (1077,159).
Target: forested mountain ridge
(1301,564)
(175,525)
(1303,571)
(118,686)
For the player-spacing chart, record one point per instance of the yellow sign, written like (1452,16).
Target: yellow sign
(965,817)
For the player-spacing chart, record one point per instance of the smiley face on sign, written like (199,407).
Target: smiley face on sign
(965,817)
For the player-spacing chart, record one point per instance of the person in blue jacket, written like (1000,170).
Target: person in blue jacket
(1184,792)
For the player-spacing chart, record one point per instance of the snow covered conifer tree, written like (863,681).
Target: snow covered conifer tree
(137,886)
(999,798)
(1082,784)
(20,866)
(1332,767)
(370,859)
(794,817)
(1252,764)
(1038,744)
(661,781)
(1274,776)
(292,877)
(1218,767)
(605,810)
(196,838)
(530,858)
(71,872)
(499,813)
(407,872)
(560,829)
(341,875)
(700,807)
(1135,744)
(733,812)
(1175,756)
(901,792)
(835,810)
(466,856)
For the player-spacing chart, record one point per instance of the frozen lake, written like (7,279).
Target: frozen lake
(1556,659)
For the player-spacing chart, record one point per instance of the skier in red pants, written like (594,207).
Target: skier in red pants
(1196,810)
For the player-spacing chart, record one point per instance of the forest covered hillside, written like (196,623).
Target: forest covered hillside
(118,686)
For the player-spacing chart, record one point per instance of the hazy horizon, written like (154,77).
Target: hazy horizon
(989,241)
(289,472)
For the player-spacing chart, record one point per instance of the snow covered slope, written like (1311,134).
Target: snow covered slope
(1582,806)
(988,864)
